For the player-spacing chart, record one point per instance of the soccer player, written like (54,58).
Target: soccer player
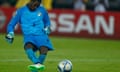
(35,25)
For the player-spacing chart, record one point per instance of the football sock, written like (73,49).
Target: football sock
(42,58)
(31,55)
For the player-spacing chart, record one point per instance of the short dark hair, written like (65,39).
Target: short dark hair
(39,0)
(36,0)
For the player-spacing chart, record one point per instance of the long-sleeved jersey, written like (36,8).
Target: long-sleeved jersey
(31,22)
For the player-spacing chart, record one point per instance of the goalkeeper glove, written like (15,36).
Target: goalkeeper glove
(10,37)
(47,30)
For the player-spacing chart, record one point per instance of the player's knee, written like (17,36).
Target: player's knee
(28,46)
(43,50)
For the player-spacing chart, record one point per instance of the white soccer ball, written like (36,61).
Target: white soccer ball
(65,66)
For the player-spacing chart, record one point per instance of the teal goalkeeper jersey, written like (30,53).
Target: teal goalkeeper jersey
(31,22)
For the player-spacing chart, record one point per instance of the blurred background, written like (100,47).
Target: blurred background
(109,5)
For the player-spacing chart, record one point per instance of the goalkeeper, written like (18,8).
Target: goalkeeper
(35,25)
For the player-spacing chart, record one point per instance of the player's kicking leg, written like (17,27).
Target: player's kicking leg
(39,66)
(31,55)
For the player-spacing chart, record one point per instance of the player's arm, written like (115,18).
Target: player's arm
(10,28)
(47,23)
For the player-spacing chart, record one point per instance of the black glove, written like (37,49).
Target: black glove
(10,37)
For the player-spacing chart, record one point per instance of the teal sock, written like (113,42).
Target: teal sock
(42,58)
(31,55)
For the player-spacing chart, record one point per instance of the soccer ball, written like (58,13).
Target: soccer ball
(65,66)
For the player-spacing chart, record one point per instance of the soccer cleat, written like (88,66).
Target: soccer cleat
(34,71)
(36,67)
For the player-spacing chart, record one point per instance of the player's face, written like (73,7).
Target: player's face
(34,4)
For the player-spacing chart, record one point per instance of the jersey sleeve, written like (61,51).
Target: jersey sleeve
(14,20)
(46,19)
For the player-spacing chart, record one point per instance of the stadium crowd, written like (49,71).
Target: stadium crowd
(96,5)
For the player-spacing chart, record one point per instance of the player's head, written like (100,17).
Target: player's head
(33,4)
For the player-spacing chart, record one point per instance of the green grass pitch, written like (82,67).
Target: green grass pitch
(87,55)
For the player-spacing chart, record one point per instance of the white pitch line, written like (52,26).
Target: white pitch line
(56,60)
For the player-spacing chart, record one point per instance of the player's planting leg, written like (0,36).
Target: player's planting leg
(43,53)
(42,58)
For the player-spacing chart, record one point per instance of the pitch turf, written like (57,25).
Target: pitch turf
(87,55)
